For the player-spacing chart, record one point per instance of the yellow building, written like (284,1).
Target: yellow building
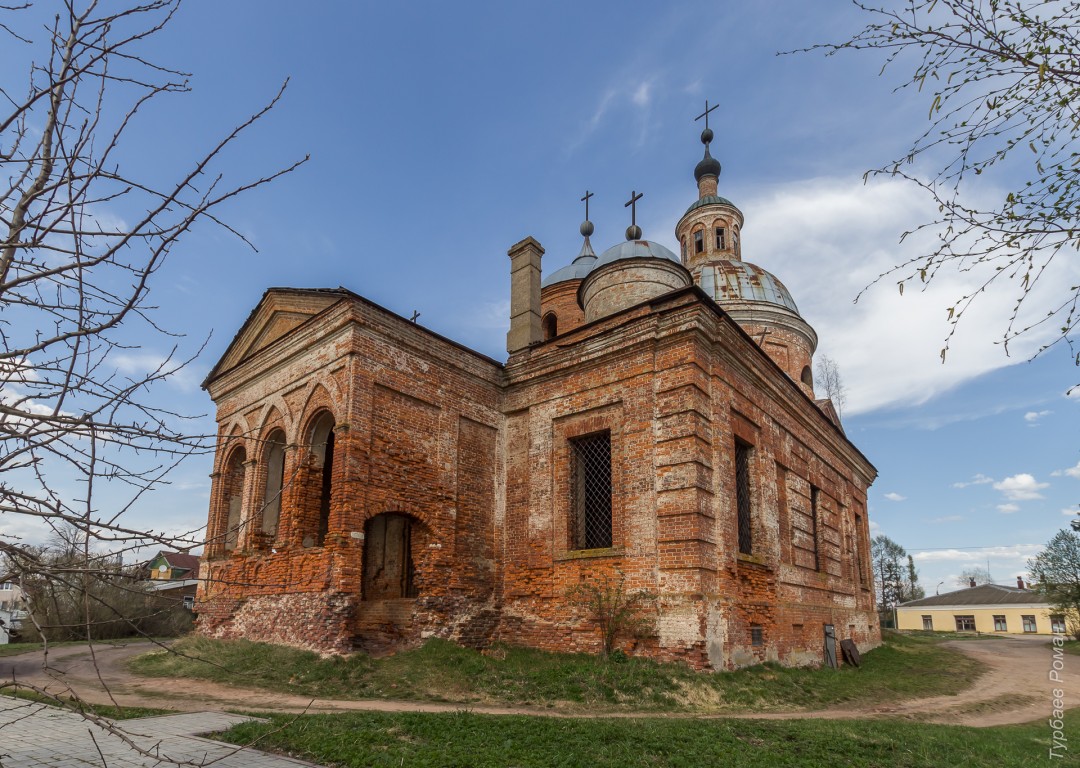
(987,608)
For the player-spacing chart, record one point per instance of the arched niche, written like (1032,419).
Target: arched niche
(274,462)
(389,565)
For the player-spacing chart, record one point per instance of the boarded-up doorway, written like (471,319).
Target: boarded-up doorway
(388,562)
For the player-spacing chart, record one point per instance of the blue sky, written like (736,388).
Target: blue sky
(440,134)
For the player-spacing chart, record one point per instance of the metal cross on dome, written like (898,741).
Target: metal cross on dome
(632,205)
(585,200)
(705,114)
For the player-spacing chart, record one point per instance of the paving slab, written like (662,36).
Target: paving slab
(34,735)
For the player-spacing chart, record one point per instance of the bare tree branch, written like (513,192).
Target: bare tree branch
(1002,79)
(83,231)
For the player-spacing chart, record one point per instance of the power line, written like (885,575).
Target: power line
(987,547)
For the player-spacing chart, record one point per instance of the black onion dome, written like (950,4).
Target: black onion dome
(709,166)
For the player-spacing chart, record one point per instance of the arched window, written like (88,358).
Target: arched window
(274,461)
(322,451)
(684,250)
(233,493)
(699,241)
(388,562)
(550,324)
(807,377)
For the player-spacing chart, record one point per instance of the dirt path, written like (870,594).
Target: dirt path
(1016,688)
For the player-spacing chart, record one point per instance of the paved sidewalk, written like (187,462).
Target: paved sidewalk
(35,736)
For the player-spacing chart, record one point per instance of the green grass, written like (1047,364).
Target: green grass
(14,649)
(477,741)
(1073,647)
(905,667)
(100,710)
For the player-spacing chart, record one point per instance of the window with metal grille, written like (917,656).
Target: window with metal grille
(742,496)
(590,482)
(757,635)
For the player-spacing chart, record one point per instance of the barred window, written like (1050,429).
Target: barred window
(590,482)
(742,496)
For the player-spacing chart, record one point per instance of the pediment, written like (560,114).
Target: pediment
(278,313)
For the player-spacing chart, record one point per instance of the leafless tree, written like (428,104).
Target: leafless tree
(83,231)
(1001,79)
(830,382)
(978,574)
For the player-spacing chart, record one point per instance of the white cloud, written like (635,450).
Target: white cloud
(138,365)
(874,527)
(1033,417)
(979,479)
(887,345)
(1008,509)
(1014,552)
(1070,512)
(23,528)
(642,94)
(1070,472)
(1021,487)
(948,519)
(893,496)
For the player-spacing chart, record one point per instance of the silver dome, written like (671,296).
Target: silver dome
(730,280)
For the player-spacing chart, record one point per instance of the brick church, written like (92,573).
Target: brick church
(655,425)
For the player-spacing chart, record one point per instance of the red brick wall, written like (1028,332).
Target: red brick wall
(561,300)
(406,407)
(479,457)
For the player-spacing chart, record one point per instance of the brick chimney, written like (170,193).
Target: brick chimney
(1020,582)
(524,295)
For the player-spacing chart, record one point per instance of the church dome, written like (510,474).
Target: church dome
(575,270)
(628,274)
(727,280)
(634,249)
(709,200)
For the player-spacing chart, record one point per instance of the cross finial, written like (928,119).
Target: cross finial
(585,200)
(705,114)
(632,205)
(633,232)
(415,315)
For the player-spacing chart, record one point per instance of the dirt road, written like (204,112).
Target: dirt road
(1016,688)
